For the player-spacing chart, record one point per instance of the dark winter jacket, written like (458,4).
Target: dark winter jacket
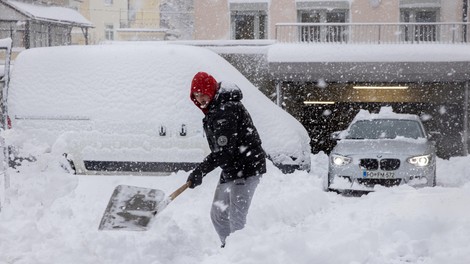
(233,139)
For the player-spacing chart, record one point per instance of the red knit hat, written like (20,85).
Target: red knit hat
(203,83)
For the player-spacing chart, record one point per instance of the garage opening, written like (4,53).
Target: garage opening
(324,108)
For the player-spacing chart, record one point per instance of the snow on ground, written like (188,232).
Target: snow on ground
(53,217)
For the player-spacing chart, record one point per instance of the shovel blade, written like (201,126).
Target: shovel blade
(132,208)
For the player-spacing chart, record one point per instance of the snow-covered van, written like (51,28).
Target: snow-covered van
(126,108)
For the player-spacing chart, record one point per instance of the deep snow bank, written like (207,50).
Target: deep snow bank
(53,218)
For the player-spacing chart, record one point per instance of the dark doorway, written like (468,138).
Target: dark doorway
(325,108)
(321,120)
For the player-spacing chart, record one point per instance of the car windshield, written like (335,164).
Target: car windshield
(385,128)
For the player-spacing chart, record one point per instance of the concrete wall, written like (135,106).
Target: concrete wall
(365,11)
(211,20)
(451,10)
(280,12)
(100,15)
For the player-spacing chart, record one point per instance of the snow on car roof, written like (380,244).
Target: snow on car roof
(137,83)
(384,113)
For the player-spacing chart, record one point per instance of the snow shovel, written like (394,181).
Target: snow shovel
(133,208)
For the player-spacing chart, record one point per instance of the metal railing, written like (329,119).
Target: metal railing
(373,33)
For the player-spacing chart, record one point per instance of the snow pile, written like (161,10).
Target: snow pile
(384,113)
(367,53)
(453,173)
(53,217)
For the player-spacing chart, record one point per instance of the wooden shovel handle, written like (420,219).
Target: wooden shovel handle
(180,190)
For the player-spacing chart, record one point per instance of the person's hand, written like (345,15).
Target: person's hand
(195,179)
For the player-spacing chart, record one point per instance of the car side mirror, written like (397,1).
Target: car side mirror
(335,135)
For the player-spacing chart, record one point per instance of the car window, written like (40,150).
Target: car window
(385,128)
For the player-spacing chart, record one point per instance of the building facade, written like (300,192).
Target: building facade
(237,19)
(123,20)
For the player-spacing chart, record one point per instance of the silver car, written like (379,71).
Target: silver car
(385,149)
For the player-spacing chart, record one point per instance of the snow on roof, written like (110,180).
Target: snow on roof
(385,112)
(368,53)
(50,13)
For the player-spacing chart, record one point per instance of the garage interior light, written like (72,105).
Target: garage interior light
(318,102)
(381,87)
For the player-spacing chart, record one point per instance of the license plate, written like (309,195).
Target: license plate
(378,174)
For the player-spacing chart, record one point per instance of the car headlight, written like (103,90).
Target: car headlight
(339,160)
(420,161)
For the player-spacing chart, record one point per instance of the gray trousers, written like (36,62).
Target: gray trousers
(231,203)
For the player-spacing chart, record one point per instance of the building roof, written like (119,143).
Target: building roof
(370,63)
(50,13)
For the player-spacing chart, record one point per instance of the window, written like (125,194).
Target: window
(109,32)
(249,24)
(39,35)
(323,33)
(249,20)
(59,35)
(415,32)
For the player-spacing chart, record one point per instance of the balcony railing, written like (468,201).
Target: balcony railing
(373,33)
